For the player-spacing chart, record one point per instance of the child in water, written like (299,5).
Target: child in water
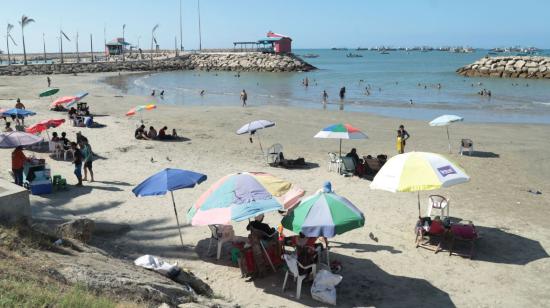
(399,143)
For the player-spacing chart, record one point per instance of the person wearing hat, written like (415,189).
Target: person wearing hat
(18,160)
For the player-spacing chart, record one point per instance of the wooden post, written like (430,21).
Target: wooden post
(91,48)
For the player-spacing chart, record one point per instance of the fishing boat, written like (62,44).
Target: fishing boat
(384,53)
(310,55)
(354,55)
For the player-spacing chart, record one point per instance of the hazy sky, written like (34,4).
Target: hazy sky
(311,23)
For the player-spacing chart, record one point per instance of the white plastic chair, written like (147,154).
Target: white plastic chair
(334,161)
(221,233)
(466,145)
(273,153)
(293,264)
(55,148)
(439,203)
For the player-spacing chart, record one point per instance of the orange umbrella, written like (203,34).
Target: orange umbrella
(63,100)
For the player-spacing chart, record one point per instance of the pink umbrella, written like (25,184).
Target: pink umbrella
(44,126)
(63,100)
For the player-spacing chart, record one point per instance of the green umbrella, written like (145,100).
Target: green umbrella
(324,214)
(49,92)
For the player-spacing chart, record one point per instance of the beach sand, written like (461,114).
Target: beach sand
(511,265)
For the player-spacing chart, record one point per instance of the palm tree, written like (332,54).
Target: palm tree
(8,38)
(23,22)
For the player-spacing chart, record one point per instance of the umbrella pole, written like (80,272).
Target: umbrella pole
(177,219)
(418,195)
(448,139)
(340,147)
(260,142)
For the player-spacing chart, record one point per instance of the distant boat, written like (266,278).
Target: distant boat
(384,53)
(335,48)
(310,55)
(354,55)
(361,48)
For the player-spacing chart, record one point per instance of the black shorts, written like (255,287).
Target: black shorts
(88,165)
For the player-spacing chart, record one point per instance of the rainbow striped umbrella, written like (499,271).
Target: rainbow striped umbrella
(63,100)
(341,131)
(237,197)
(136,109)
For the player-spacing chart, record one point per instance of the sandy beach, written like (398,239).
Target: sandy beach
(511,263)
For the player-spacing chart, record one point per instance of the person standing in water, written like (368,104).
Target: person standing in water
(244,97)
(325,99)
(342,93)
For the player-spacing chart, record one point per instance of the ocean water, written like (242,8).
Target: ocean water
(392,79)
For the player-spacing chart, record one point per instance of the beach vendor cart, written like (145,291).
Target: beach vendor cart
(37,176)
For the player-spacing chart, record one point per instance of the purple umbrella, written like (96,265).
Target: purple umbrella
(15,139)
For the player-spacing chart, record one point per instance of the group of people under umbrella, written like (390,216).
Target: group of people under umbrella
(323,215)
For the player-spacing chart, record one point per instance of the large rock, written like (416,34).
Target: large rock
(80,229)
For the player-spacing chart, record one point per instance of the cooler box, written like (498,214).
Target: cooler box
(41,187)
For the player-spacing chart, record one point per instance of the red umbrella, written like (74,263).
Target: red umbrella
(63,100)
(44,125)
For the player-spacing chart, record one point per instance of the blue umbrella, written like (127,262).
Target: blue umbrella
(169,180)
(18,112)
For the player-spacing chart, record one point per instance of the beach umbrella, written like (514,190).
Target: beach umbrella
(63,100)
(15,139)
(169,180)
(341,131)
(20,113)
(140,109)
(237,197)
(418,171)
(48,92)
(446,120)
(78,98)
(325,214)
(252,127)
(44,126)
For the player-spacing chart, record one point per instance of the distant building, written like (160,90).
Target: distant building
(273,43)
(116,46)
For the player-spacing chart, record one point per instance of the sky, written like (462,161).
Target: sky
(310,23)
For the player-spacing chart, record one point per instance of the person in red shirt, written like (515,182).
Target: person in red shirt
(18,160)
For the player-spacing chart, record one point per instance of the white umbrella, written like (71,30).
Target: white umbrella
(15,139)
(446,120)
(253,126)
(418,171)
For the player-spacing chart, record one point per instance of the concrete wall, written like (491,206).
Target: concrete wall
(14,203)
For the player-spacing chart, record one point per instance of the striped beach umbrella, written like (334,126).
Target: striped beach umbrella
(237,197)
(341,131)
(139,108)
(252,127)
(418,171)
(324,215)
(62,100)
(78,97)
(446,120)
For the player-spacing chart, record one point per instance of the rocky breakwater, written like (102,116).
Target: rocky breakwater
(508,67)
(246,62)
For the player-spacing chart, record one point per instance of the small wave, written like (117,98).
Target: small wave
(542,103)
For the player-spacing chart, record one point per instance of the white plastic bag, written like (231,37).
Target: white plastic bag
(154,263)
(324,287)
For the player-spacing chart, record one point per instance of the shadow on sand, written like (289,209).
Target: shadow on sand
(482,154)
(364,283)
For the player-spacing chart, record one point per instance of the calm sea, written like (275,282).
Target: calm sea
(392,80)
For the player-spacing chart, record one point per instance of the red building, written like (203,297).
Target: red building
(281,43)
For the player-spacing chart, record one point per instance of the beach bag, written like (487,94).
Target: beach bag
(324,287)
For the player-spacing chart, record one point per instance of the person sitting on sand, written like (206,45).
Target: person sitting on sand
(140,133)
(174,134)
(19,104)
(162,133)
(354,156)
(8,127)
(152,134)
(72,113)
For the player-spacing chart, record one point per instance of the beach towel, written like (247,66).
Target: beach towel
(158,265)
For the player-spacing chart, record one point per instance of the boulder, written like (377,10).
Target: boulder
(79,229)
(519,64)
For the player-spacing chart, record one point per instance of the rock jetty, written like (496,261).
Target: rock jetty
(508,67)
(243,62)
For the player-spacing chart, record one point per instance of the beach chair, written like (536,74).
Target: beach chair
(431,238)
(273,153)
(347,166)
(55,148)
(259,234)
(439,203)
(293,267)
(465,233)
(222,234)
(334,162)
(466,145)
